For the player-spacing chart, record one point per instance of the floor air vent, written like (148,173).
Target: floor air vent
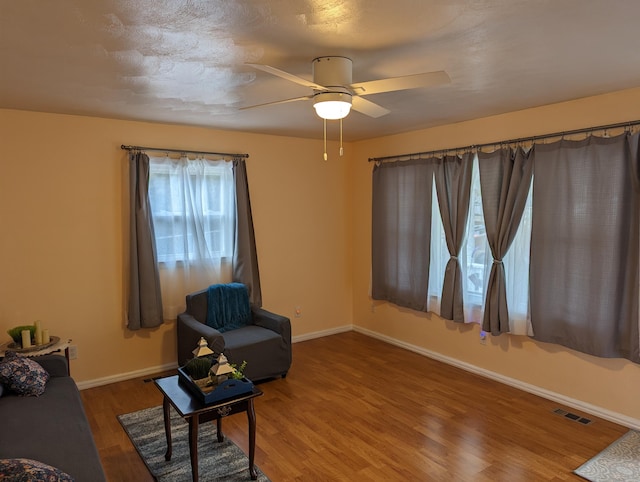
(572,416)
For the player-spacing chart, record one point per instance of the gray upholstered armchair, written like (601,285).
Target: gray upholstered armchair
(264,340)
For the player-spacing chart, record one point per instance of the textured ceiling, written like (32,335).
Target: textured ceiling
(184,61)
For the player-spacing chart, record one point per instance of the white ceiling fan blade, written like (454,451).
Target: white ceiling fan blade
(285,101)
(415,81)
(367,107)
(287,76)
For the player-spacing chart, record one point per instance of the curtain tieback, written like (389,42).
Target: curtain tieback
(454,257)
(497,261)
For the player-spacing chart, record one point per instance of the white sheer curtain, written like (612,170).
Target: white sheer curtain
(193,207)
(439,255)
(516,267)
(475,260)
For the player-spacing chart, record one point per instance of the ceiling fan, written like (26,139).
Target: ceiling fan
(334,93)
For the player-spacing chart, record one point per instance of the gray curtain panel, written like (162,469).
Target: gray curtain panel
(505,179)
(401,232)
(584,246)
(453,186)
(634,159)
(145,302)
(245,256)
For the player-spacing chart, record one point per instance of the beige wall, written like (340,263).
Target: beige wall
(613,385)
(63,213)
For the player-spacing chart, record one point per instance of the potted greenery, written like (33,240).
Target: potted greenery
(16,333)
(198,369)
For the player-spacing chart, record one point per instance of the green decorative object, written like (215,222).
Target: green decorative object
(238,373)
(16,333)
(198,368)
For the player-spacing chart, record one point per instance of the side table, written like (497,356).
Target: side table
(61,345)
(196,412)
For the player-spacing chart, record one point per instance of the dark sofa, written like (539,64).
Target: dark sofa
(51,428)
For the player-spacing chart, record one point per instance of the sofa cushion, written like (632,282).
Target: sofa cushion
(23,376)
(19,470)
(263,349)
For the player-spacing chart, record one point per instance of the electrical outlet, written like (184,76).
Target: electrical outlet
(298,312)
(73,352)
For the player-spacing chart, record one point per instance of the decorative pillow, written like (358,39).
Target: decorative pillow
(23,376)
(27,470)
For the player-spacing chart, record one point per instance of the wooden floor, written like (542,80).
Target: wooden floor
(354,408)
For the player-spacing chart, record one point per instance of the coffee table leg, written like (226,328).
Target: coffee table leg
(167,426)
(219,429)
(251,415)
(193,446)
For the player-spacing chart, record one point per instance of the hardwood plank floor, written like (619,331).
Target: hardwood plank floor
(356,408)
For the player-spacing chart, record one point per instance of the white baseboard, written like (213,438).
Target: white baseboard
(544,393)
(171,366)
(320,334)
(120,377)
(549,395)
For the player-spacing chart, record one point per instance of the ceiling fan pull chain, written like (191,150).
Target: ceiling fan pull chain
(325,138)
(341,149)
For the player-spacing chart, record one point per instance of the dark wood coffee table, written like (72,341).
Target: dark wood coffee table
(195,412)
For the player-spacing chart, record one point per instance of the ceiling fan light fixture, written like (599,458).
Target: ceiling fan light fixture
(332,105)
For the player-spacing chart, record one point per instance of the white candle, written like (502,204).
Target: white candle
(45,336)
(26,338)
(38,332)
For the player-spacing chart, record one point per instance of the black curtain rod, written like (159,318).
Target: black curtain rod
(183,151)
(510,141)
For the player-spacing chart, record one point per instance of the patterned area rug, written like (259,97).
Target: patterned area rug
(216,461)
(619,461)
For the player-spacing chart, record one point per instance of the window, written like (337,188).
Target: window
(584,248)
(475,256)
(571,271)
(476,260)
(400,232)
(193,209)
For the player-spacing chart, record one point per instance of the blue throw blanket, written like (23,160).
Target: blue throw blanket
(228,306)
